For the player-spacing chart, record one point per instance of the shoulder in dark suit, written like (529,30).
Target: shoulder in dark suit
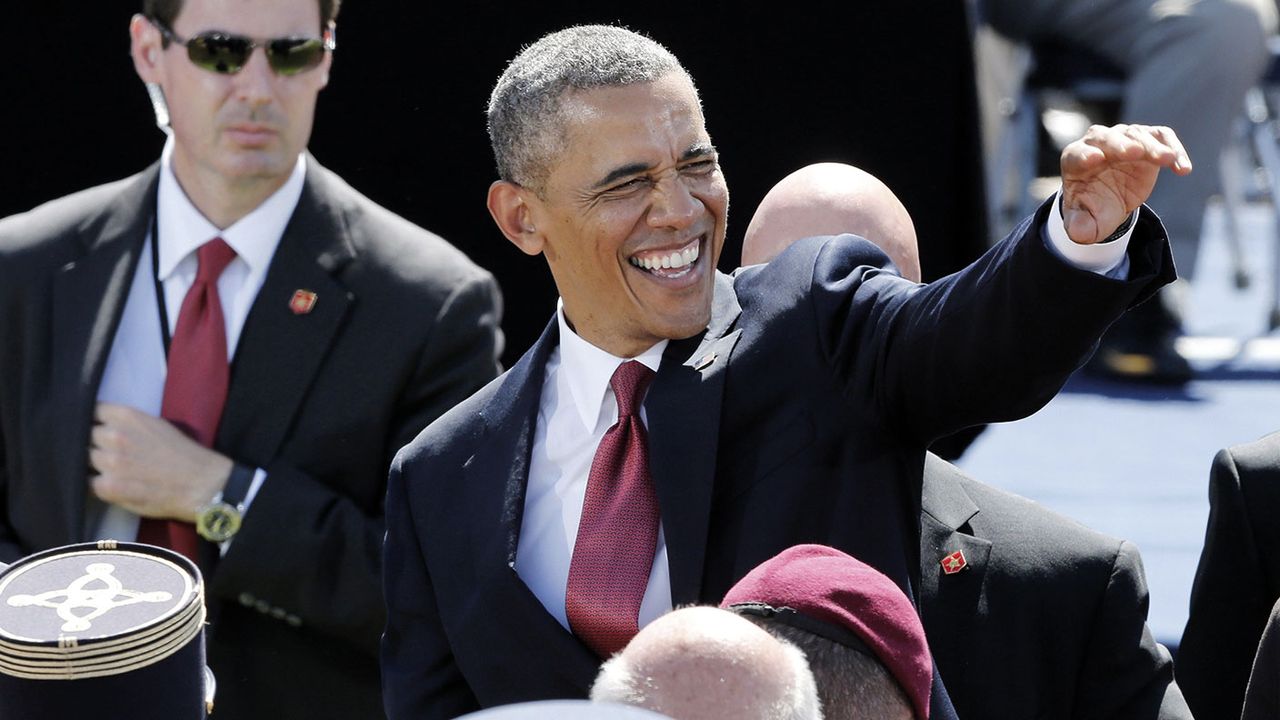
(404,326)
(1237,580)
(1047,619)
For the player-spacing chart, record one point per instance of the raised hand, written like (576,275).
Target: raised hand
(1109,172)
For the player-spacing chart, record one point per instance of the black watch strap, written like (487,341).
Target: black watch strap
(1124,228)
(237,487)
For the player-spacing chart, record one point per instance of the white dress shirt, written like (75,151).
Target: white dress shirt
(576,409)
(578,406)
(1110,259)
(136,366)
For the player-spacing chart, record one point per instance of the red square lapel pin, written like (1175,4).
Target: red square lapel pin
(302,302)
(954,563)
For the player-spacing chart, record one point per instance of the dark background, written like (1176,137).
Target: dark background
(886,86)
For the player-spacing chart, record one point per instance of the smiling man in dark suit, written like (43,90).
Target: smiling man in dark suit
(529,534)
(234,339)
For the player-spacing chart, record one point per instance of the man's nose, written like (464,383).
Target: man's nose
(254,81)
(674,205)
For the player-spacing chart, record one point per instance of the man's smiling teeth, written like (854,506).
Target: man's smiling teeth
(674,260)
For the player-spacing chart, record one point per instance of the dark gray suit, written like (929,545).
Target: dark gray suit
(1237,580)
(800,415)
(1048,619)
(404,326)
(1262,698)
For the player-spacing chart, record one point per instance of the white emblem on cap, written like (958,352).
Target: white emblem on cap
(98,601)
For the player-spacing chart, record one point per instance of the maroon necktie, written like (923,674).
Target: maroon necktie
(618,532)
(195,388)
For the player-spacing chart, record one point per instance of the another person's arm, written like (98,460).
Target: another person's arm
(1231,596)
(307,553)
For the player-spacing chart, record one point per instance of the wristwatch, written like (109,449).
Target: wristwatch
(219,520)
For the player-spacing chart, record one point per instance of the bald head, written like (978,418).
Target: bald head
(828,199)
(704,663)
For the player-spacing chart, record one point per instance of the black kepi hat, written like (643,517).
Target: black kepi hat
(108,630)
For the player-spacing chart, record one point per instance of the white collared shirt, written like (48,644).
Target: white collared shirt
(576,409)
(136,366)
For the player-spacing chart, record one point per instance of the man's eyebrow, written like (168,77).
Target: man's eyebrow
(695,151)
(620,172)
(699,150)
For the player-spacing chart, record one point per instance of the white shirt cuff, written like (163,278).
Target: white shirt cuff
(1101,258)
(259,475)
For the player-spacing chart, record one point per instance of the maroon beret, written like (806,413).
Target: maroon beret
(851,602)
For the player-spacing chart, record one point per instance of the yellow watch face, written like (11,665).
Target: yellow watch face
(218,522)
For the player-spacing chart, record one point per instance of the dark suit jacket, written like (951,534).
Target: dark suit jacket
(404,327)
(1237,580)
(1048,620)
(800,415)
(1262,698)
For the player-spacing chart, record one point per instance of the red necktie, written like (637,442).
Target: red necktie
(195,388)
(618,532)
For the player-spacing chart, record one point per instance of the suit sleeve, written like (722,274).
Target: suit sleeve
(1126,674)
(312,551)
(420,679)
(9,548)
(1230,600)
(993,342)
(1262,699)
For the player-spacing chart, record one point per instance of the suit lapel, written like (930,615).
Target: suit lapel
(507,439)
(949,600)
(88,300)
(281,350)
(510,609)
(683,408)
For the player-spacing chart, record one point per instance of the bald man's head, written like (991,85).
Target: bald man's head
(829,199)
(704,663)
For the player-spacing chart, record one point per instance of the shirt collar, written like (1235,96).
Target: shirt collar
(254,237)
(586,369)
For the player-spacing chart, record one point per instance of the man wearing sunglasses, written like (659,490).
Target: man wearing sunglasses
(222,353)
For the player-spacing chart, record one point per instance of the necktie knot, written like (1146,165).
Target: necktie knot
(213,257)
(629,382)
(618,529)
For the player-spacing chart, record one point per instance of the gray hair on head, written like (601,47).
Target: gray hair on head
(526,128)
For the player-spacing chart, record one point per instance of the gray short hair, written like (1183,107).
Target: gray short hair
(525,124)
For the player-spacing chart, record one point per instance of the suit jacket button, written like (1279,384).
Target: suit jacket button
(246,599)
(277,613)
(262,606)
(293,620)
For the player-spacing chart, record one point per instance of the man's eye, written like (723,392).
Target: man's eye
(700,166)
(631,184)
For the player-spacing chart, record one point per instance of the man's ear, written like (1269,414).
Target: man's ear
(145,47)
(509,204)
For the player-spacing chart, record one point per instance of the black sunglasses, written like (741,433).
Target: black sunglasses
(226,53)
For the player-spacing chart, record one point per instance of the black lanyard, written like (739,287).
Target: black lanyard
(155,275)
